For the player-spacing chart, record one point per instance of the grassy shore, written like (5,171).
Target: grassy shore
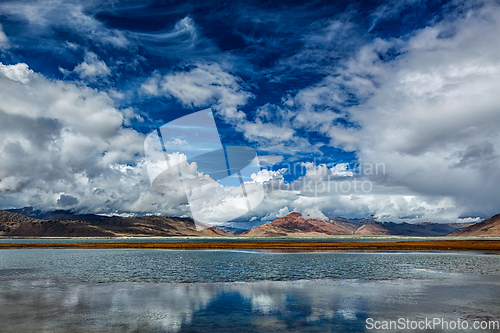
(427,245)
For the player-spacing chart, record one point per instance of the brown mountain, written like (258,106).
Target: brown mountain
(372,229)
(423,229)
(13,224)
(487,228)
(231,230)
(295,225)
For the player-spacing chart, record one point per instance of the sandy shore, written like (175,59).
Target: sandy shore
(439,245)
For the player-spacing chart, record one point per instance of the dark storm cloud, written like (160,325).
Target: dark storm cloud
(476,154)
(67,201)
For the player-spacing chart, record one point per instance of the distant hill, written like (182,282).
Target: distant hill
(410,229)
(295,225)
(14,224)
(231,230)
(487,228)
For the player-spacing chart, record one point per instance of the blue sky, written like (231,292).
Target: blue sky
(315,87)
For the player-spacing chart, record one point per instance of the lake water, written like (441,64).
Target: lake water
(148,290)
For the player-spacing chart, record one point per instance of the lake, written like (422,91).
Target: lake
(152,290)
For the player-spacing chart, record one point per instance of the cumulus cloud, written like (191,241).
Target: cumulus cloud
(92,67)
(268,175)
(429,114)
(433,119)
(65,146)
(341,170)
(213,85)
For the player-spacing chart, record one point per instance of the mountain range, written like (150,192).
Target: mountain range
(489,227)
(31,222)
(295,225)
(72,225)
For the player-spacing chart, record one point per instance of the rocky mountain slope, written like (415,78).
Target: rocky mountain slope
(487,228)
(231,230)
(13,224)
(295,225)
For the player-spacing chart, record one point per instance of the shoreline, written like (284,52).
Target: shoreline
(427,245)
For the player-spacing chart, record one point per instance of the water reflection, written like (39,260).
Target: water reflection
(292,306)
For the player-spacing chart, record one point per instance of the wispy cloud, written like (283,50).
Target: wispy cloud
(4,41)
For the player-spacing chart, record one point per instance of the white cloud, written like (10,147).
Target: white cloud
(65,146)
(434,118)
(212,85)
(283,212)
(19,72)
(470,220)
(204,85)
(4,41)
(269,160)
(390,10)
(185,41)
(258,131)
(429,116)
(341,170)
(92,67)
(44,16)
(268,175)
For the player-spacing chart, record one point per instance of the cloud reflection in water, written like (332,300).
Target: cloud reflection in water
(341,305)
